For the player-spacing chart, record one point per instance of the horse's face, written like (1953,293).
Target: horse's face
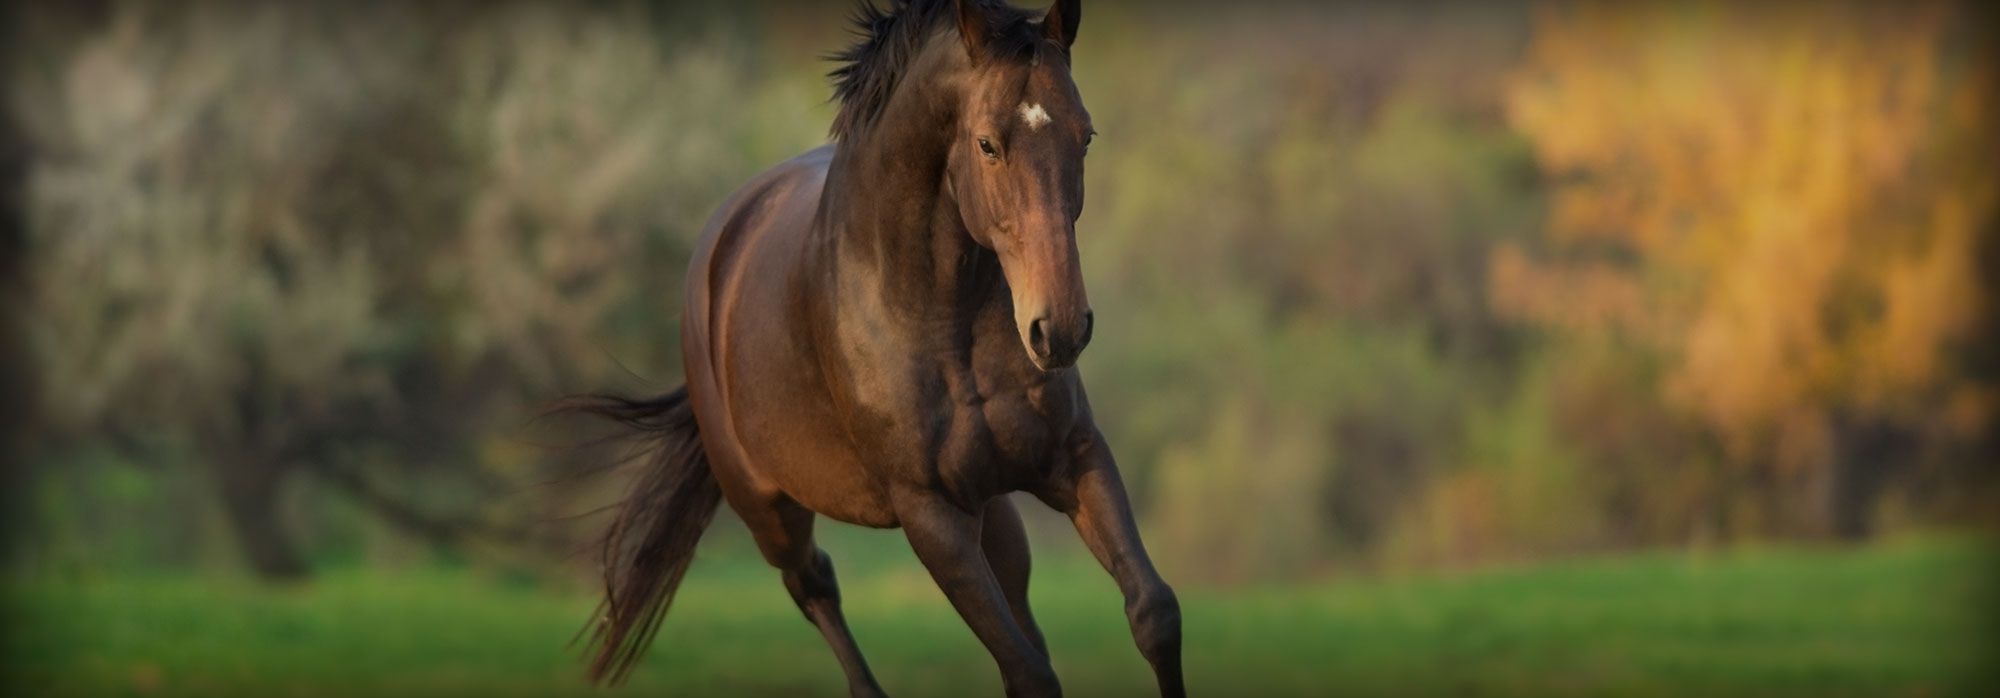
(1016,171)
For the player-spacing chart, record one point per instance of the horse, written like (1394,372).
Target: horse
(883,331)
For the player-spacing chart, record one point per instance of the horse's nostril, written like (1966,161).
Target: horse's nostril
(1038,336)
(1089,325)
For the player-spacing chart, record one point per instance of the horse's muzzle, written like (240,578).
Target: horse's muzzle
(1055,345)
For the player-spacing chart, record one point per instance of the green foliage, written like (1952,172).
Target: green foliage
(1286,249)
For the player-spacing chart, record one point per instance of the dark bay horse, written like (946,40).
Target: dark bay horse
(883,331)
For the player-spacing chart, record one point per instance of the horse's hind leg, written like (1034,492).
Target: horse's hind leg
(1005,542)
(784,533)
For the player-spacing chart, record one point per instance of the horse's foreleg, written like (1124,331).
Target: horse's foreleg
(1095,501)
(947,540)
(1005,542)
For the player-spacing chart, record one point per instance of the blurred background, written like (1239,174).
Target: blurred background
(1502,348)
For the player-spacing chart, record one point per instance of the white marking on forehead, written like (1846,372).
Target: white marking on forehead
(1034,115)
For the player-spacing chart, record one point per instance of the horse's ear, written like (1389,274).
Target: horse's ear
(1060,25)
(973,27)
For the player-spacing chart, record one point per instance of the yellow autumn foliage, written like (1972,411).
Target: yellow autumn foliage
(1785,203)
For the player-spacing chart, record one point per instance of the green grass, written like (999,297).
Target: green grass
(1906,619)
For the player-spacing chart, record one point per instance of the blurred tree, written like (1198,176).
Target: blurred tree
(1286,251)
(1784,204)
(310,238)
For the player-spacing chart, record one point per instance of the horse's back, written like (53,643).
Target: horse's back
(766,415)
(775,205)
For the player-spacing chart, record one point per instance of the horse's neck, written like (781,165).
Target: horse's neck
(894,227)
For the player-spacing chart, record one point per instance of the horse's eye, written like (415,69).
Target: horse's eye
(986,146)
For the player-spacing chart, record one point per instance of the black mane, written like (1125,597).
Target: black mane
(890,38)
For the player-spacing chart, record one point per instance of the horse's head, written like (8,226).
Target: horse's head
(1016,169)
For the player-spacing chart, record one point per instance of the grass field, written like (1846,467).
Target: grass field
(1903,619)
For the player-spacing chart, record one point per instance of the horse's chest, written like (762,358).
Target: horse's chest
(1003,441)
(975,419)
(1023,425)
(976,435)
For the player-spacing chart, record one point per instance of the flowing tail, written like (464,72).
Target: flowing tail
(649,545)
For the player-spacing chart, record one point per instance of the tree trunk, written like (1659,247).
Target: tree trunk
(18,401)
(1867,453)
(251,493)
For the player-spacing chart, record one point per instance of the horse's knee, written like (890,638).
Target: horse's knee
(1156,621)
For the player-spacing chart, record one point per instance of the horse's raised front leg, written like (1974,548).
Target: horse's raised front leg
(1094,498)
(1005,541)
(947,540)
